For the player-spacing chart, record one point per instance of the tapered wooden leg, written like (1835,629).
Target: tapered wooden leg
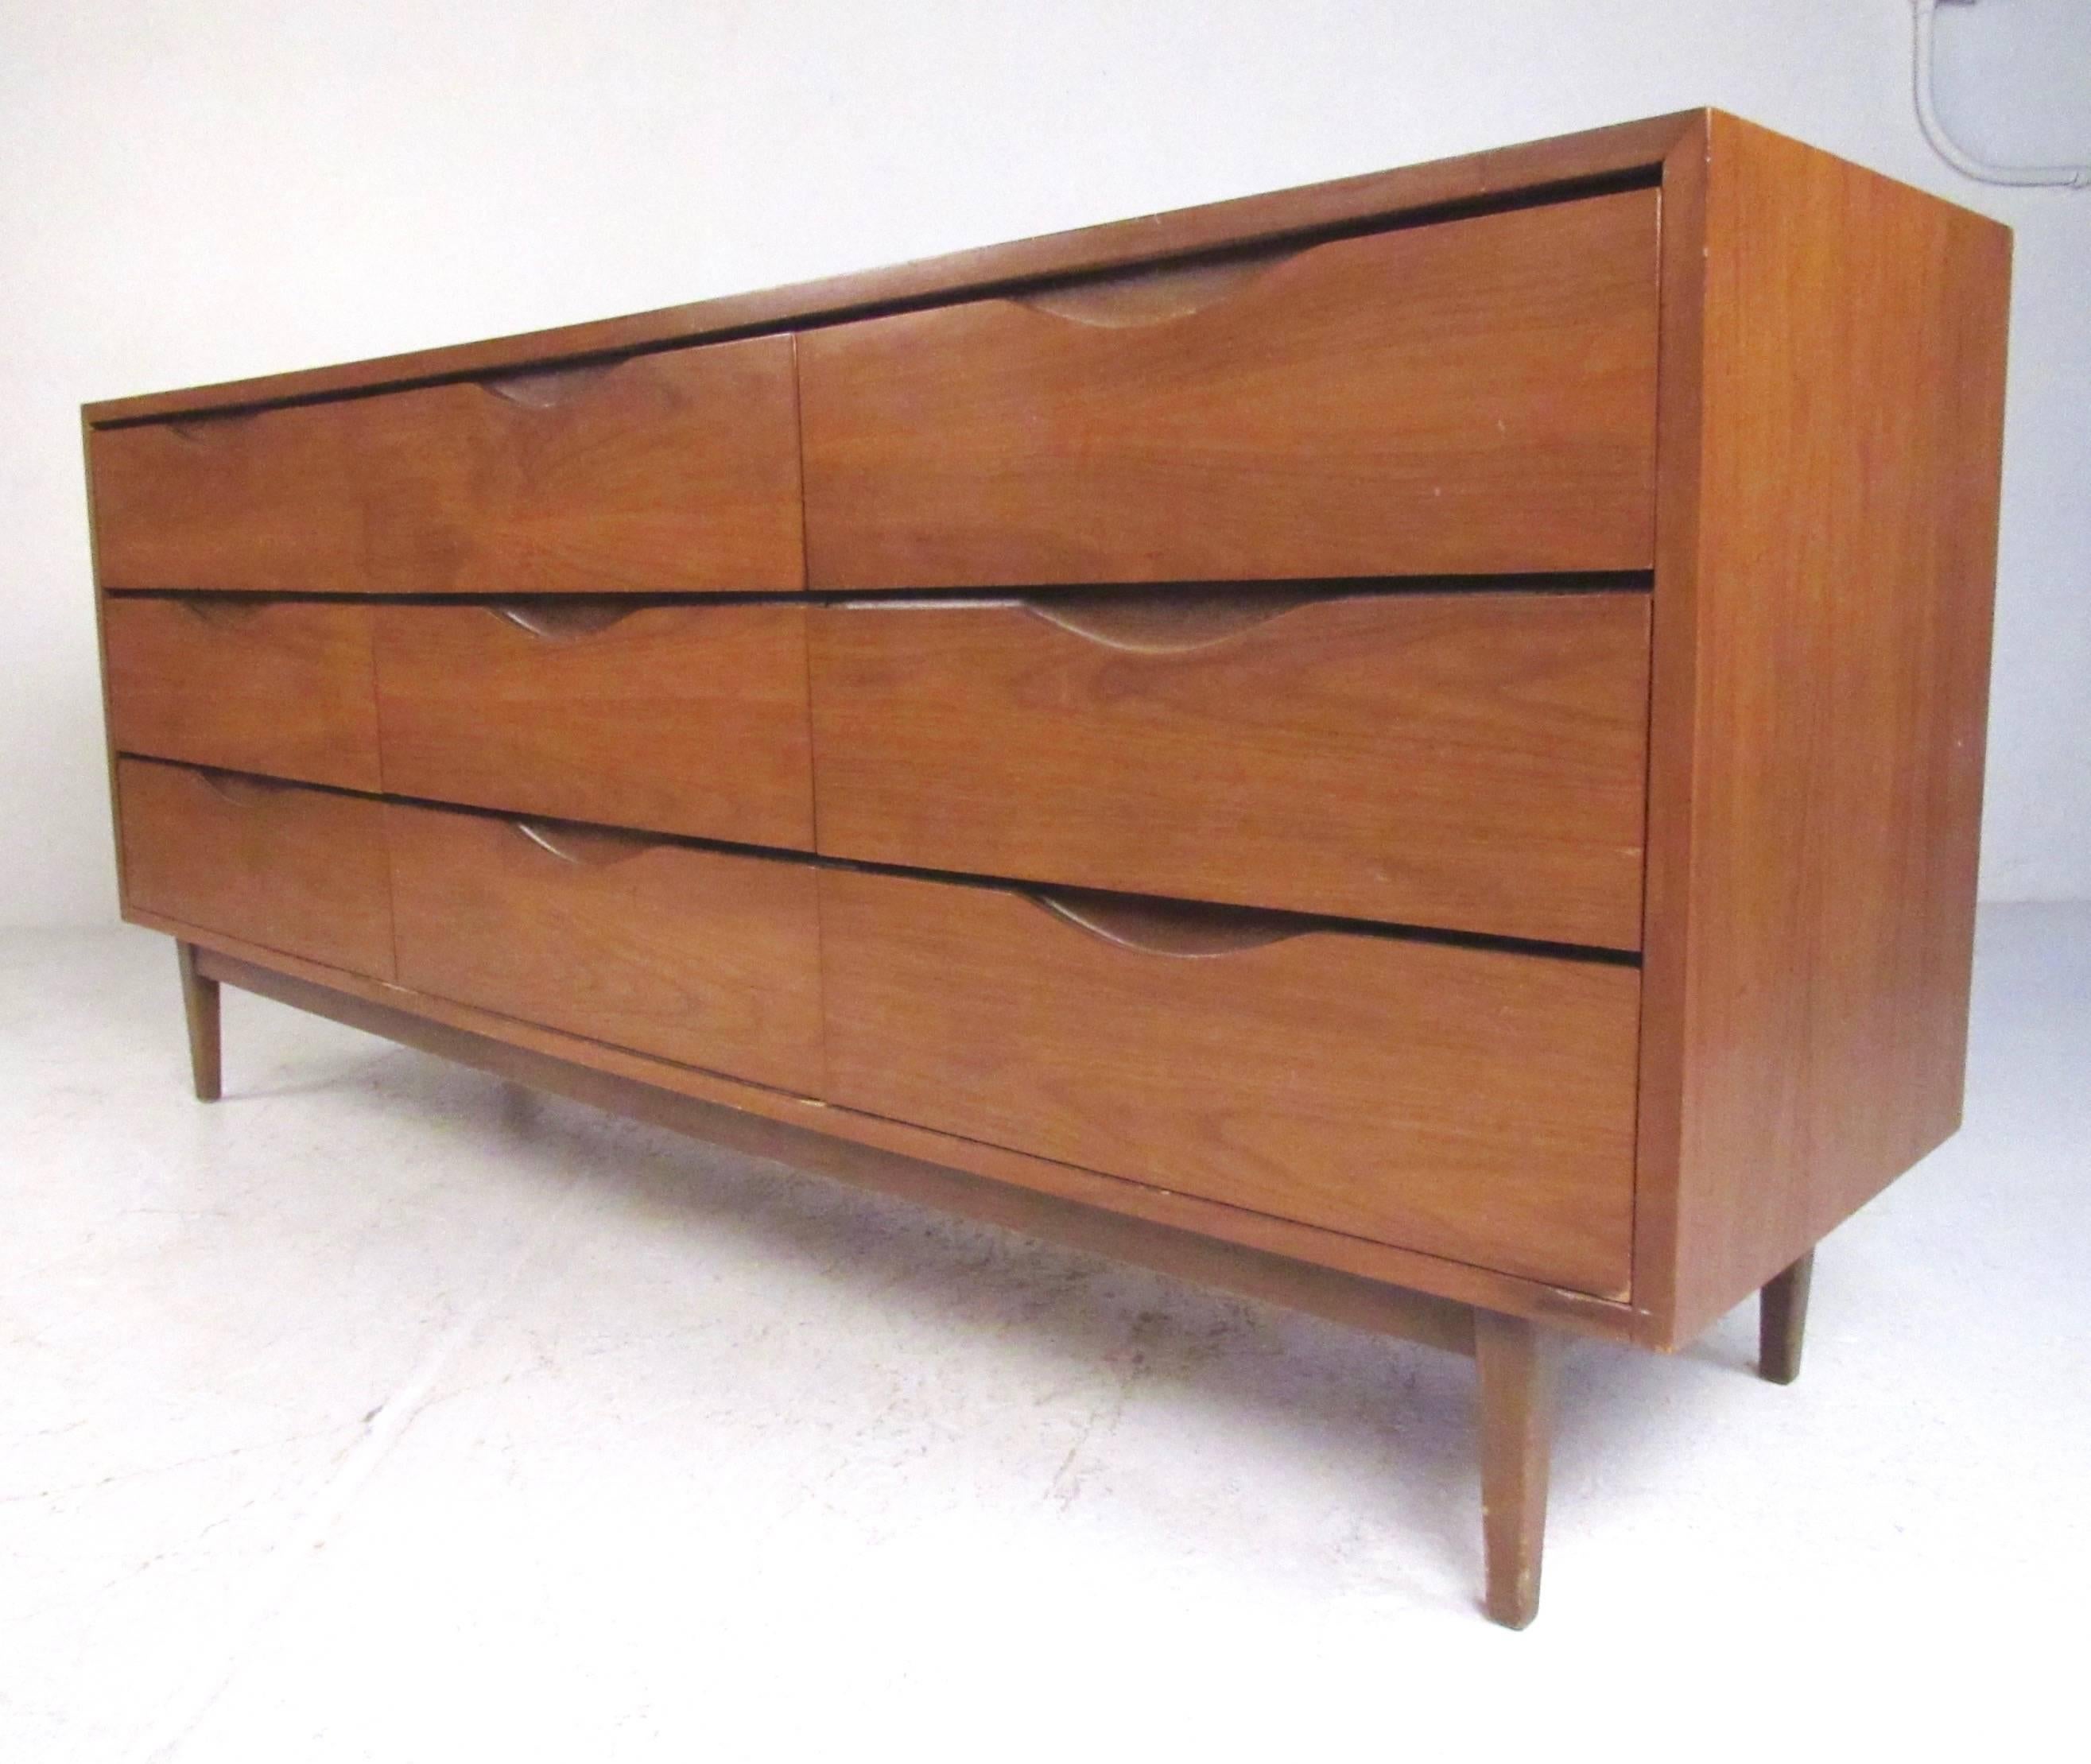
(1783,1321)
(199,999)
(1514,1358)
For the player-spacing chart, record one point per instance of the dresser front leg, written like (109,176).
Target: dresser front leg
(1514,1358)
(1783,1321)
(200,1000)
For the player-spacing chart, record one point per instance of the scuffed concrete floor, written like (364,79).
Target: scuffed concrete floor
(386,1412)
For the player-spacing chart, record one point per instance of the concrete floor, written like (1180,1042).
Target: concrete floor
(384,1411)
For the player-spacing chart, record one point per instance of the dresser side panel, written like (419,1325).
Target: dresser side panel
(1811,905)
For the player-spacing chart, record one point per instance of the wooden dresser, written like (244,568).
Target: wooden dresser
(1410,747)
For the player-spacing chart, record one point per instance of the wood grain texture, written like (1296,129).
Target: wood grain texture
(1470,1104)
(1496,175)
(1471,397)
(1821,660)
(676,472)
(282,688)
(268,500)
(679,720)
(869,1135)
(1471,761)
(1343,1298)
(708,958)
(1824,534)
(303,871)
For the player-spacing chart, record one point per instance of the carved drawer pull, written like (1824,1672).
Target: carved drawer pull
(1166,623)
(1151,296)
(1139,621)
(544,389)
(241,790)
(227,611)
(1167,928)
(211,425)
(561,620)
(589,848)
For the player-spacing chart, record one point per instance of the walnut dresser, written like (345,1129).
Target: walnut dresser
(1410,747)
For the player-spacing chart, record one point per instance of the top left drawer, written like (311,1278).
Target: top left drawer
(673,472)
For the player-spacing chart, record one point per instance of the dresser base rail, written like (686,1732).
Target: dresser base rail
(1514,1356)
(1326,1292)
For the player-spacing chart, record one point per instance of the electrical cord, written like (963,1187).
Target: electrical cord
(2065,177)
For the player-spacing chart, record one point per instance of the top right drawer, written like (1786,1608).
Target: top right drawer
(1469,397)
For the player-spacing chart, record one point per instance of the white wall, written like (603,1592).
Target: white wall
(192,192)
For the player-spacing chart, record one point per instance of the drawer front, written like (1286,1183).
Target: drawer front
(266,500)
(302,871)
(1474,1104)
(707,958)
(677,472)
(676,719)
(1474,396)
(1470,762)
(279,687)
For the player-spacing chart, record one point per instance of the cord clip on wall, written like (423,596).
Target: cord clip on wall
(2066,177)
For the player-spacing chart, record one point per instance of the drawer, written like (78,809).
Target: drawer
(1474,1104)
(1476,396)
(278,687)
(707,958)
(257,500)
(678,719)
(302,871)
(676,472)
(1471,761)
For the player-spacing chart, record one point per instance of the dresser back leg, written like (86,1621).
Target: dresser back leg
(1514,1358)
(200,1001)
(1783,1321)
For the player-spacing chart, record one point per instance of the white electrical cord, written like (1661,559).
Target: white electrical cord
(2068,177)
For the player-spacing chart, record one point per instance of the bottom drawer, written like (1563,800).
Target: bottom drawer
(303,871)
(1471,1103)
(708,958)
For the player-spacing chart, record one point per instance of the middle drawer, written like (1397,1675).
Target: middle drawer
(679,720)
(1471,760)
